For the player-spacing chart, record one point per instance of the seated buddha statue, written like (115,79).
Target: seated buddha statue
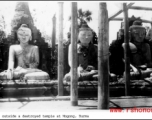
(143,55)
(140,54)
(87,55)
(26,57)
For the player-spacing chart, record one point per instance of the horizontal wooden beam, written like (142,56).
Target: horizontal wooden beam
(120,11)
(117,19)
(121,19)
(146,21)
(140,8)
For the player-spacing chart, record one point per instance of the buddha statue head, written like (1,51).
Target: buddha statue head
(137,32)
(24,34)
(85,35)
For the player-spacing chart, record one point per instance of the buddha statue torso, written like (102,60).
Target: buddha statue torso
(26,59)
(87,56)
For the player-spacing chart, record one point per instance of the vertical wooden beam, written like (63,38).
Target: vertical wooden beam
(53,34)
(151,31)
(103,57)
(126,52)
(60,51)
(74,77)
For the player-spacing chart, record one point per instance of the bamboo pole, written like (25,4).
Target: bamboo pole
(120,11)
(126,52)
(60,51)
(103,57)
(53,34)
(140,8)
(74,77)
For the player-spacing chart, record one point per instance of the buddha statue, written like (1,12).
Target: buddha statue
(140,54)
(87,55)
(24,59)
(143,54)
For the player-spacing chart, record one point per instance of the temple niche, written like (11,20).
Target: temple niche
(23,16)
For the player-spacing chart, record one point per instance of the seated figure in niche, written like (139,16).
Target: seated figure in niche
(87,55)
(140,57)
(26,57)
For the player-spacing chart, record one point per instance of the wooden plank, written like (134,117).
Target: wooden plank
(120,11)
(126,52)
(53,34)
(140,8)
(74,77)
(60,51)
(103,55)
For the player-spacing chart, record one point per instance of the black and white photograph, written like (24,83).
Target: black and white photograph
(75,59)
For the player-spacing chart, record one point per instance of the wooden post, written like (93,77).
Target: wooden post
(151,31)
(126,52)
(53,34)
(74,77)
(60,51)
(103,58)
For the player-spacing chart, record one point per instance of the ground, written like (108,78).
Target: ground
(60,104)
(61,108)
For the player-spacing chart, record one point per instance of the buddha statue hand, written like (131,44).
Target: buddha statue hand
(150,40)
(89,68)
(80,69)
(33,65)
(9,74)
(143,67)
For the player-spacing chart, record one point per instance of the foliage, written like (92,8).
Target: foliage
(2,22)
(83,17)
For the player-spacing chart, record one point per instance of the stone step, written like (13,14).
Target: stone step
(19,88)
(82,91)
